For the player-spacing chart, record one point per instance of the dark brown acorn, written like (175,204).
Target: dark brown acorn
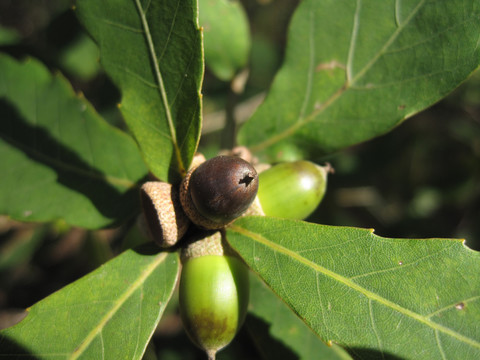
(218,191)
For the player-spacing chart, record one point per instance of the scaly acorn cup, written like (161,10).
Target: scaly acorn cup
(292,190)
(213,293)
(218,191)
(163,215)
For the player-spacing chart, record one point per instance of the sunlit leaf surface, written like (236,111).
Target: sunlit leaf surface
(355,69)
(376,296)
(109,314)
(152,50)
(279,334)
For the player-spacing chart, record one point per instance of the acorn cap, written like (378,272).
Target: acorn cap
(242,152)
(202,243)
(164,216)
(198,158)
(255,208)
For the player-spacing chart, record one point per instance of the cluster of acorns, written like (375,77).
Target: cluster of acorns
(214,288)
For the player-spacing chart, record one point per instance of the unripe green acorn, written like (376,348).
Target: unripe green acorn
(292,190)
(218,191)
(213,295)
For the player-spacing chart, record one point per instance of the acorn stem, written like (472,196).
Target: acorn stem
(211,354)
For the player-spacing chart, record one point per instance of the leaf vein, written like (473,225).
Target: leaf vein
(135,75)
(116,306)
(389,42)
(439,344)
(434,36)
(161,86)
(120,26)
(353,39)
(102,344)
(452,306)
(331,100)
(311,67)
(167,40)
(139,327)
(403,266)
(404,80)
(356,287)
(398,21)
(374,328)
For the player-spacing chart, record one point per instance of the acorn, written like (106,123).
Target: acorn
(213,293)
(165,220)
(292,190)
(218,191)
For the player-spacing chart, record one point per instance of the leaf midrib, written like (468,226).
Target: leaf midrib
(161,86)
(126,295)
(347,282)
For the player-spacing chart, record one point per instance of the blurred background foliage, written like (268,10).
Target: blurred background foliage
(421,180)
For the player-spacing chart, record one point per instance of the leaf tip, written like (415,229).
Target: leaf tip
(466,244)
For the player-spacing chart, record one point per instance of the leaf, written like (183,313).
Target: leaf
(278,333)
(355,69)
(110,313)
(226,36)
(9,36)
(60,160)
(20,247)
(152,51)
(377,297)
(81,58)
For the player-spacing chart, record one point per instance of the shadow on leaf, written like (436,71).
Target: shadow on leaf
(9,349)
(371,354)
(268,346)
(72,172)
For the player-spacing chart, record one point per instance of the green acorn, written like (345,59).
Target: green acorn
(292,190)
(213,293)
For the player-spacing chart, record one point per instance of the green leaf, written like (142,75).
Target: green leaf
(110,314)
(9,36)
(226,36)
(80,58)
(278,333)
(355,69)
(376,297)
(152,50)
(19,248)
(60,160)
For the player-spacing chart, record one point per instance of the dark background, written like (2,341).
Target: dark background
(421,180)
